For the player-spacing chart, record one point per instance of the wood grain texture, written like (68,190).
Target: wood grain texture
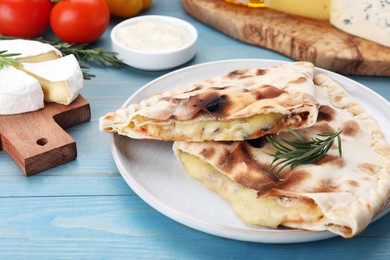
(36,140)
(296,37)
(124,227)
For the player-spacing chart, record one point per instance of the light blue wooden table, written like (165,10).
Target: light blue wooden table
(84,209)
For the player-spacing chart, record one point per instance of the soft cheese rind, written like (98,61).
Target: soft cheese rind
(30,51)
(363,18)
(19,92)
(60,79)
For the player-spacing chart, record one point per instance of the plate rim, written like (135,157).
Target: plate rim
(236,233)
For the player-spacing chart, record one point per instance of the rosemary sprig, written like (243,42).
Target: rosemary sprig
(7,60)
(85,55)
(293,153)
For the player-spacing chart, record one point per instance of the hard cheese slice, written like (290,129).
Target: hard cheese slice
(318,9)
(61,79)
(19,92)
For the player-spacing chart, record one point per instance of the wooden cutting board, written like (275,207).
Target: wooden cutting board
(37,141)
(297,37)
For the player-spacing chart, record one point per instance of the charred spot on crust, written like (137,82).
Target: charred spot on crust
(267,91)
(220,88)
(172,100)
(369,168)
(304,116)
(258,142)
(353,183)
(260,72)
(368,206)
(234,74)
(196,88)
(298,80)
(208,152)
(322,128)
(350,128)
(267,188)
(227,161)
(245,76)
(325,185)
(326,113)
(292,179)
(192,105)
(331,159)
(215,104)
(249,172)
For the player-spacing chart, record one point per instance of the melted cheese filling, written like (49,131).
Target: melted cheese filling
(239,129)
(53,91)
(270,211)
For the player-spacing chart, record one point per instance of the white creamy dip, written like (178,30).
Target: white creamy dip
(153,36)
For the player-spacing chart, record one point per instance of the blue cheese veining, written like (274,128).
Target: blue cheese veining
(153,36)
(364,18)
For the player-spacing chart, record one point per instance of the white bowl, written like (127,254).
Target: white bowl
(154,59)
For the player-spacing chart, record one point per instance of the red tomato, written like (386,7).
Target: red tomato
(24,18)
(80,21)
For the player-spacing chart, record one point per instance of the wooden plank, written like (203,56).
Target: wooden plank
(297,37)
(36,140)
(124,227)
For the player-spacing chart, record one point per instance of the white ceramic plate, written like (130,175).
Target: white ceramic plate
(157,176)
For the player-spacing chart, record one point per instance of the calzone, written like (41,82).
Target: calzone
(242,104)
(341,194)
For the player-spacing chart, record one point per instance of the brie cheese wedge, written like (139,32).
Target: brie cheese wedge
(30,51)
(19,92)
(61,79)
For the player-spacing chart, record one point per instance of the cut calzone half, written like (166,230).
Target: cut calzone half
(340,194)
(243,104)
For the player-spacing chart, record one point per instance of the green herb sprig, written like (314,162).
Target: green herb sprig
(7,60)
(85,55)
(301,151)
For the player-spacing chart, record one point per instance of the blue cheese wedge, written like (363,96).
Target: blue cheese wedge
(363,18)
(61,79)
(19,92)
(30,51)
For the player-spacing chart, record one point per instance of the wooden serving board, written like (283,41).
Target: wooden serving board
(297,37)
(37,141)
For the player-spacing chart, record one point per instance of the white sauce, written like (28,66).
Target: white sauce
(153,36)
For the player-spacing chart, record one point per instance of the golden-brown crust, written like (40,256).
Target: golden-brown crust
(350,190)
(286,90)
